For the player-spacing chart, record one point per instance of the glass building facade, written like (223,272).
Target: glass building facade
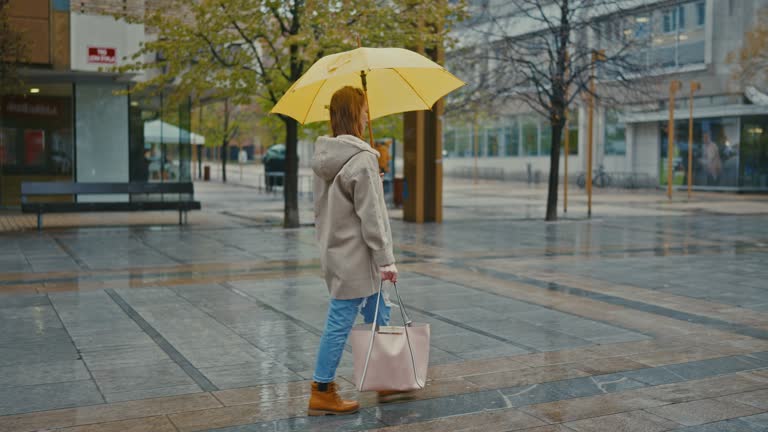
(514,137)
(727,152)
(88,132)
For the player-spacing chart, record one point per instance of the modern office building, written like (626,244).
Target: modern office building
(71,121)
(688,40)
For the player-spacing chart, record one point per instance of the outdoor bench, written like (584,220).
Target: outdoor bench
(137,190)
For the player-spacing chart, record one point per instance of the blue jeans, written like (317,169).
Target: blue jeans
(341,318)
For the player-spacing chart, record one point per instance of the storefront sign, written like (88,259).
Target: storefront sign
(102,55)
(30,108)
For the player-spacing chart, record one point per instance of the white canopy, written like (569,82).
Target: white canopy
(157,131)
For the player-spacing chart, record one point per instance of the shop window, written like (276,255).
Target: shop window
(530,129)
(546,139)
(464,143)
(754,152)
(573,133)
(615,134)
(492,142)
(449,143)
(715,157)
(161,145)
(512,140)
(36,132)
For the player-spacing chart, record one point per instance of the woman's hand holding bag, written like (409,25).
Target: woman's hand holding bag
(389,273)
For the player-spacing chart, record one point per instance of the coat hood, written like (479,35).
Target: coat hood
(332,153)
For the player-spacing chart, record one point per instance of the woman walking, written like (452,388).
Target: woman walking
(355,240)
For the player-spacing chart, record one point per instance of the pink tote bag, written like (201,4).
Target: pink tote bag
(390,357)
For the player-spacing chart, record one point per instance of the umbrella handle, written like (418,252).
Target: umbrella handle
(367,106)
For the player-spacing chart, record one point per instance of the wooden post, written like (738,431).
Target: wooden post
(423,150)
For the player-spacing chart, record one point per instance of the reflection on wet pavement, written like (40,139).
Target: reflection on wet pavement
(655,322)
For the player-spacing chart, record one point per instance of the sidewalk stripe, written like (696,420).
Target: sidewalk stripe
(618,301)
(161,274)
(474,329)
(166,346)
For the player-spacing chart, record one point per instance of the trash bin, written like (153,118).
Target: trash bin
(398,186)
(207,173)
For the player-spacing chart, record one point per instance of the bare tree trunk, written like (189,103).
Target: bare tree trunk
(554,171)
(290,180)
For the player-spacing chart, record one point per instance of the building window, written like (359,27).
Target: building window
(615,135)
(449,143)
(573,133)
(681,17)
(701,13)
(674,19)
(530,129)
(512,140)
(546,138)
(492,142)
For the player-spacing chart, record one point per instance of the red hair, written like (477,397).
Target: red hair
(346,108)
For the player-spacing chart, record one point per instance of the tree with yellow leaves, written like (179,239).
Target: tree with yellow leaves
(259,48)
(751,60)
(11,51)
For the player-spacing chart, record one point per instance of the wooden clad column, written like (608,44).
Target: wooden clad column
(60,40)
(423,159)
(32,19)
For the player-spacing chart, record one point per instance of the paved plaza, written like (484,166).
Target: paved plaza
(651,316)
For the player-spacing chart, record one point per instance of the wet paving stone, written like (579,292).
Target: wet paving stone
(653,376)
(49,396)
(712,367)
(532,394)
(424,410)
(362,421)
(226,304)
(735,425)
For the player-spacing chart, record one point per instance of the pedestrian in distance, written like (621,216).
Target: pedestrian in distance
(353,232)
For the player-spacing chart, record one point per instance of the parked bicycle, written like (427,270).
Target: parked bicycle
(601,179)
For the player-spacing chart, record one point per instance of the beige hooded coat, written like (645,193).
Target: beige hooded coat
(351,220)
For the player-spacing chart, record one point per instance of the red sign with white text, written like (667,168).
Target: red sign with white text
(34,145)
(102,55)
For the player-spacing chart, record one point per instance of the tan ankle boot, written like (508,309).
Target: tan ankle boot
(329,402)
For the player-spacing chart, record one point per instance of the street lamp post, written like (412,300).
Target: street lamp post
(674,87)
(695,86)
(598,55)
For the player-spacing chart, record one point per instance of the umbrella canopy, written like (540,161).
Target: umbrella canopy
(157,131)
(398,80)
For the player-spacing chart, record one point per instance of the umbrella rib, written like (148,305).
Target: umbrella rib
(314,98)
(412,88)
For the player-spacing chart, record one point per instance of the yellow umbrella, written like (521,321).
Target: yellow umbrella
(395,80)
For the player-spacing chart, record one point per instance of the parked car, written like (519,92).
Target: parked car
(274,165)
